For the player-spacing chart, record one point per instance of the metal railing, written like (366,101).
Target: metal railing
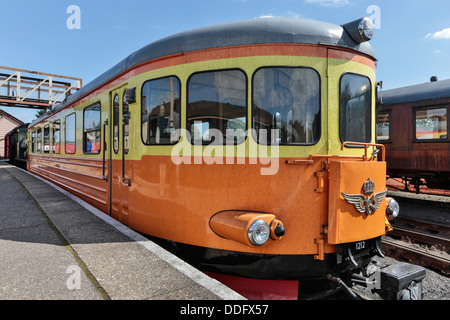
(31,89)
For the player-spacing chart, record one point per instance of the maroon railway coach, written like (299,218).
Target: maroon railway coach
(413,125)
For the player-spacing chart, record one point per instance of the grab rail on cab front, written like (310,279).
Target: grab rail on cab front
(367,145)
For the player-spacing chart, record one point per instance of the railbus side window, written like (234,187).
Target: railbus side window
(126,125)
(92,129)
(39,140)
(47,139)
(160,111)
(217,103)
(116,113)
(286,101)
(431,124)
(70,145)
(383,126)
(57,137)
(355,108)
(33,141)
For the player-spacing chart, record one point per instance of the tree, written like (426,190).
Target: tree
(40,112)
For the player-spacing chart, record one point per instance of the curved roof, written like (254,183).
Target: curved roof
(420,92)
(255,31)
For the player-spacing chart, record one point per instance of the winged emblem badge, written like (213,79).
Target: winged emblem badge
(366,204)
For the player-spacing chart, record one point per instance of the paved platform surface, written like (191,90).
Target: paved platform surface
(55,246)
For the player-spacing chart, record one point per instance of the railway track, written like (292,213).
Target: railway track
(422,243)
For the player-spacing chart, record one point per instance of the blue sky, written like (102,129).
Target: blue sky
(412,44)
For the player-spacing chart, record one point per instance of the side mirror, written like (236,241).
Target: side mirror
(130,96)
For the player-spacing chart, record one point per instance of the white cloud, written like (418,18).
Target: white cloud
(265,16)
(443,34)
(329,3)
(289,14)
(437,52)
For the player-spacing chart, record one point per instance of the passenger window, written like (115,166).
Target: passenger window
(431,124)
(39,140)
(383,125)
(126,125)
(57,137)
(33,141)
(116,113)
(355,108)
(217,103)
(70,134)
(286,101)
(92,129)
(160,111)
(47,139)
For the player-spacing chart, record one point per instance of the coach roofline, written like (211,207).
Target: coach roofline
(248,32)
(420,92)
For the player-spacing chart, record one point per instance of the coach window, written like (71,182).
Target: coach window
(355,108)
(286,106)
(160,111)
(92,129)
(431,124)
(116,114)
(70,134)
(57,136)
(217,107)
(33,141)
(39,140)
(383,125)
(126,125)
(47,139)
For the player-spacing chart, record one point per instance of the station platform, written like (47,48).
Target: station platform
(54,246)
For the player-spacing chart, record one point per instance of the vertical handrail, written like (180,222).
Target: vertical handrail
(125,118)
(105,123)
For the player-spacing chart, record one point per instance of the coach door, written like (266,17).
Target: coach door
(119,168)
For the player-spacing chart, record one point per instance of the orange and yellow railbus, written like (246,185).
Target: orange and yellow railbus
(246,148)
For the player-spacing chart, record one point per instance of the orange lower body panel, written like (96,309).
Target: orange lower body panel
(176,202)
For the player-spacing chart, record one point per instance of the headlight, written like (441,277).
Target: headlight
(249,228)
(365,29)
(392,209)
(360,30)
(259,232)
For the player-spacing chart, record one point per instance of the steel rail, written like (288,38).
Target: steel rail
(438,261)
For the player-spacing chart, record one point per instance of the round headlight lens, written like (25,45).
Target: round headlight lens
(366,29)
(393,209)
(259,232)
